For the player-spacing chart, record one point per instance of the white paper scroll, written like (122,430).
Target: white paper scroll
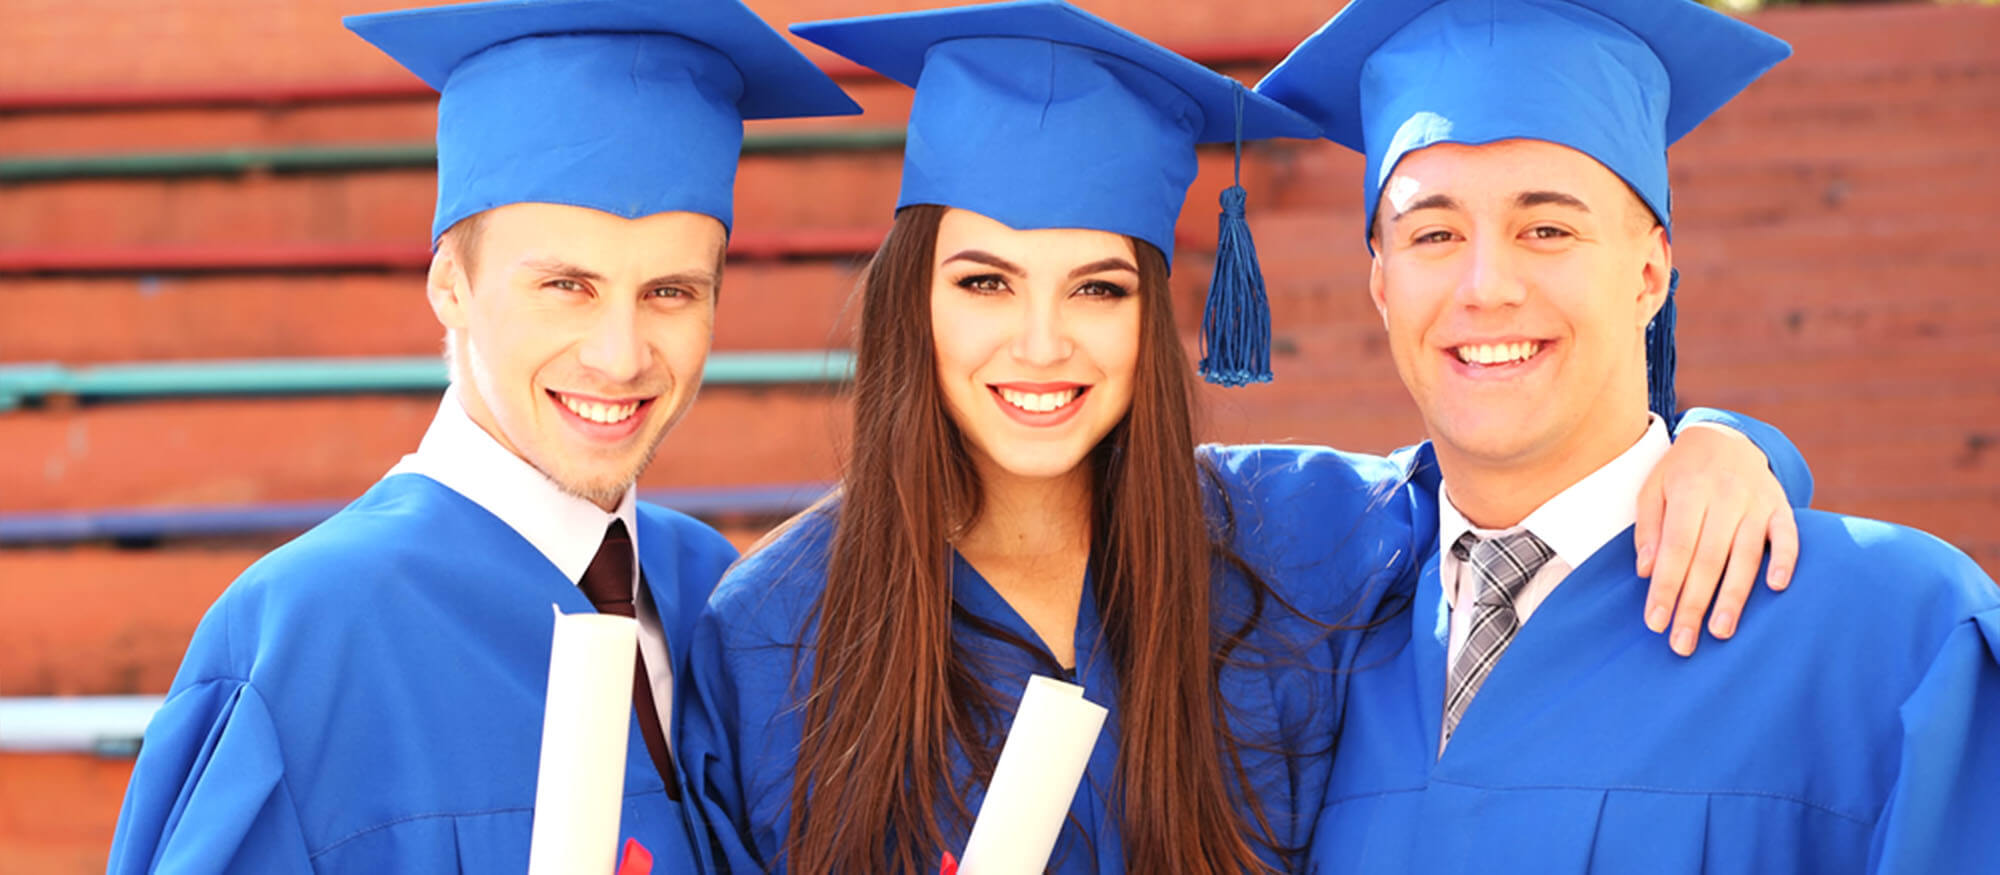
(581,786)
(1040,766)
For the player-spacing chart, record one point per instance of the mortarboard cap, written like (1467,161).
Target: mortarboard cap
(632,107)
(1618,80)
(1038,114)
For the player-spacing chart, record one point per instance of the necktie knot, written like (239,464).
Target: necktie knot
(608,580)
(1503,564)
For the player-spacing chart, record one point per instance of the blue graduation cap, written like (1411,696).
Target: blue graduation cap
(632,107)
(1618,80)
(1040,115)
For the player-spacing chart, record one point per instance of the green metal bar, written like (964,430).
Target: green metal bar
(323,159)
(22,383)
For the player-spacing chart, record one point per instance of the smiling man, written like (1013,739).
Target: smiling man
(1517,205)
(369,697)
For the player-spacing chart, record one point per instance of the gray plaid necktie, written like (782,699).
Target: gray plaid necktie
(1502,565)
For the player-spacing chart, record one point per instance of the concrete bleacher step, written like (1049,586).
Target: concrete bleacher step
(223,451)
(58,810)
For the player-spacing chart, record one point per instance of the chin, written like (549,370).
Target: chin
(596,490)
(1039,466)
(1491,440)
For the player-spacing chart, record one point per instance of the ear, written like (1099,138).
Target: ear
(1377,287)
(448,288)
(1655,274)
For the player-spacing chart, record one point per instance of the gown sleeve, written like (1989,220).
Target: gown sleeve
(1786,462)
(1943,814)
(711,751)
(208,792)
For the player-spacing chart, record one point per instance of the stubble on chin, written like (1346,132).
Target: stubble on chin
(609,491)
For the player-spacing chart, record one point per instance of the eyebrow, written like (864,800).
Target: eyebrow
(1428,202)
(563,269)
(1102,265)
(977,256)
(687,277)
(1540,198)
(571,271)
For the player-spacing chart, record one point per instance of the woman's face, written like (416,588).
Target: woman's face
(1037,336)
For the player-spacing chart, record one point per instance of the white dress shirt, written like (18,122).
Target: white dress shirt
(565,529)
(1574,524)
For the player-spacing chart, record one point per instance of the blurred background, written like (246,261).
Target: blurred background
(213,332)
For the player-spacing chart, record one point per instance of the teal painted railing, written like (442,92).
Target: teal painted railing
(20,384)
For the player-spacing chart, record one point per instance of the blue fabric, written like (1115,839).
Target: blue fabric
(1618,80)
(1849,732)
(745,721)
(1038,114)
(625,106)
(1333,534)
(368,698)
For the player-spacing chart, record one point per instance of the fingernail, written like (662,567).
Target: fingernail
(1684,642)
(1656,619)
(1780,580)
(1645,555)
(1722,625)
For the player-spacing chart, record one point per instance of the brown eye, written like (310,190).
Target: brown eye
(985,283)
(1103,289)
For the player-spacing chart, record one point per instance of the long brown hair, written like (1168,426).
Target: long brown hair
(892,706)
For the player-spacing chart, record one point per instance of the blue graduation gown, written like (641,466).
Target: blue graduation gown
(368,698)
(1300,512)
(1852,731)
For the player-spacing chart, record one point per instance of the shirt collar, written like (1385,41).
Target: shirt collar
(567,529)
(1579,520)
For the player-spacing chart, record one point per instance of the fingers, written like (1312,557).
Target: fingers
(1704,574)
(1646,532)
(1746,555)
(1679,535)
(1784,532)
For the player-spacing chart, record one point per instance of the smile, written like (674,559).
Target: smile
(1039,405)
(600,412)
(1039,402)
(1488,355)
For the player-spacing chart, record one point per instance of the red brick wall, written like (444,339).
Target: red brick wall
(1835,233)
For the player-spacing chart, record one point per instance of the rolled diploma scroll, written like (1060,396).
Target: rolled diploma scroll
(580,788)
(1041,764)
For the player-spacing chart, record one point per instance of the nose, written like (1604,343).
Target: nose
(1043,338)
(613,345)
(1491,278)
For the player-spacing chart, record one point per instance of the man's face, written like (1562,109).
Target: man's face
(1516,280)
(581,336)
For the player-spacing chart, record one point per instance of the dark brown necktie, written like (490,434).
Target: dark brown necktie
(608,583)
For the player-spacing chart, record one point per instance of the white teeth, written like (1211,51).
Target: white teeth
(1039,402)
(603,414)
(1498,353)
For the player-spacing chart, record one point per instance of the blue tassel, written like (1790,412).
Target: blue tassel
(1236,323)
(1660,354)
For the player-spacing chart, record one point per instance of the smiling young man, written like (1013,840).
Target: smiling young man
(1517,201)
(369,697)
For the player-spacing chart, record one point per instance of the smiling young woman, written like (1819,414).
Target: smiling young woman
(928,455)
